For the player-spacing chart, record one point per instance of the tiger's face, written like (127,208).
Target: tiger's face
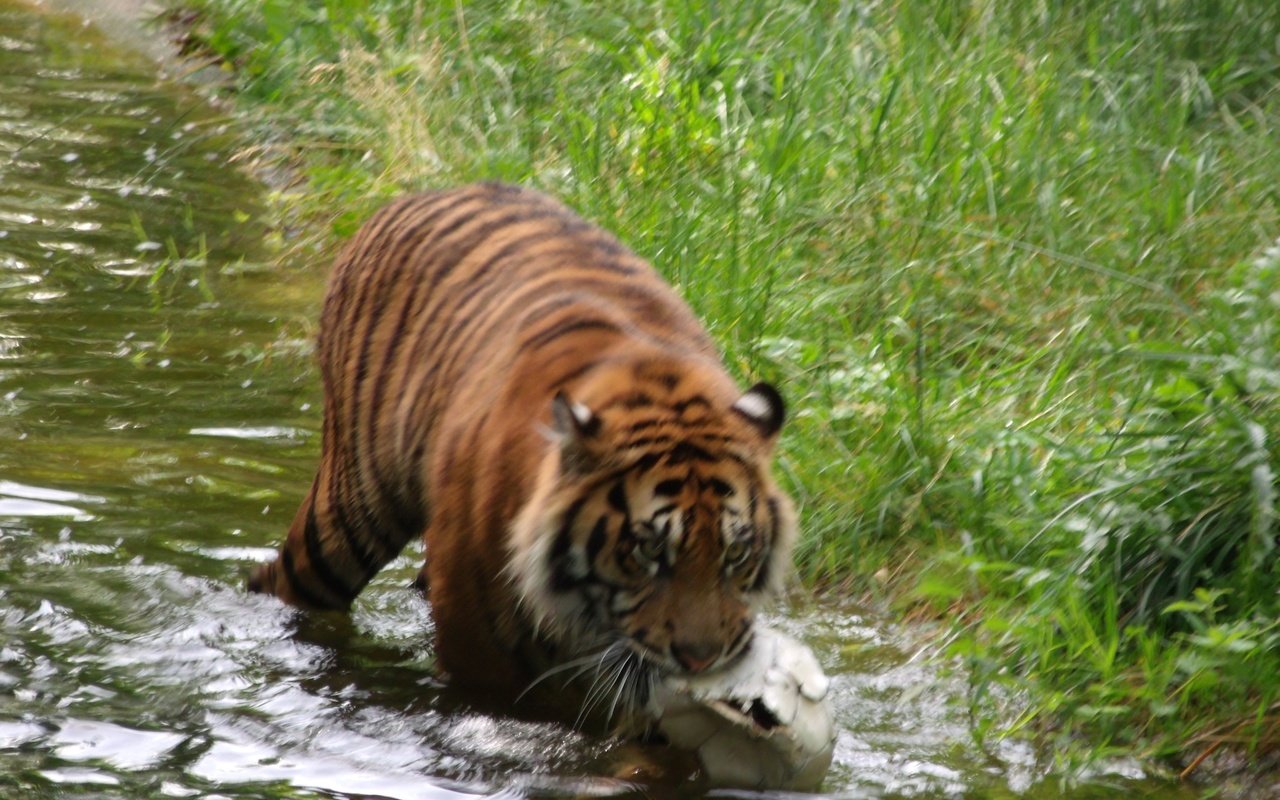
(688,562)
(657,528)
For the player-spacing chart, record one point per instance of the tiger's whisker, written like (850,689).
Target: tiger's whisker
(586,660)
(608,673)
(626,674)
(588,702)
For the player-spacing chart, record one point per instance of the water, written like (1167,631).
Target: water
(158,419)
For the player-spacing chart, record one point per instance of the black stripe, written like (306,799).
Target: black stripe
(605,251)
(644,441)
(420,220)
(772,505)
(431,206)
(541,310)
(299,588)
(613,476)
(766,563)
(744,631)
(669,487)
(696,400)
(670,438)
(413,241)
(630,399)
(562,582)
(370,298)
(477,237)
(340,502)
(476,328)
(481,234)
(685,451)
(419,236)
(352,498)
(668,380)
(373,233)
(748,467)
(319,564)
(762,574)
(347,492)
(618,497)
(481,290)
(645,424)
(546,284)
(369,562)
(564,537)
(608,244)
(363,582)
(615,265)
(486,204)
(408,520)
(505,191)
(597,583)
(565,328)
(577,372)
(597,540)
(476,281)
(580,236)
(646,462)
(721,487)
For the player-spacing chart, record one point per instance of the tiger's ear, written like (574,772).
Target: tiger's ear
(762,406)
(574,425)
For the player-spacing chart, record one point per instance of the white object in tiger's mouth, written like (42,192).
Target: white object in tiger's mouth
(764,722)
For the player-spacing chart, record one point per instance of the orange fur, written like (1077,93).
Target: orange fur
(510,382)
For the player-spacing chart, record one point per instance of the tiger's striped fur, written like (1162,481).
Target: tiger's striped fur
(512,383)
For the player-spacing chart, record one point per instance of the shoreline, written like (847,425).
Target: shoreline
(139,26)
(126,22)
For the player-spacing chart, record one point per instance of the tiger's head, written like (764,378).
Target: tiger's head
(655,529)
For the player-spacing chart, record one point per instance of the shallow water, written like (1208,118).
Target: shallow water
(158,418)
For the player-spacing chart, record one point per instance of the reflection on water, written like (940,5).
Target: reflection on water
(157,428)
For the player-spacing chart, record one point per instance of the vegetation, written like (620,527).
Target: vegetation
(1015,264)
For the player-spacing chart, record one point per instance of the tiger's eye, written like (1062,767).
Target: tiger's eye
(738,550)
(649,543)
(652,548)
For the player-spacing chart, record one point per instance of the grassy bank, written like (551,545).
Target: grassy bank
(1015,264)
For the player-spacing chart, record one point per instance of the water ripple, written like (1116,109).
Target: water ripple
(117,746)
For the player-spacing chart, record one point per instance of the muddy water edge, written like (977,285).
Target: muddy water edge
(158,424)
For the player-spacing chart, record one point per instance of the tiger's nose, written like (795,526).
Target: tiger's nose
(695,656)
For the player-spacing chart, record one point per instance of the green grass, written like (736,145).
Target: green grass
(1008,260)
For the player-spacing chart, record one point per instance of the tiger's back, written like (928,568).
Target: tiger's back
(486,358)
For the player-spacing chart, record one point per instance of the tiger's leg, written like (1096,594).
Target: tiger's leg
(338,541)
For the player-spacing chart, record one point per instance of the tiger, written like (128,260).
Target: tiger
(511,383)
